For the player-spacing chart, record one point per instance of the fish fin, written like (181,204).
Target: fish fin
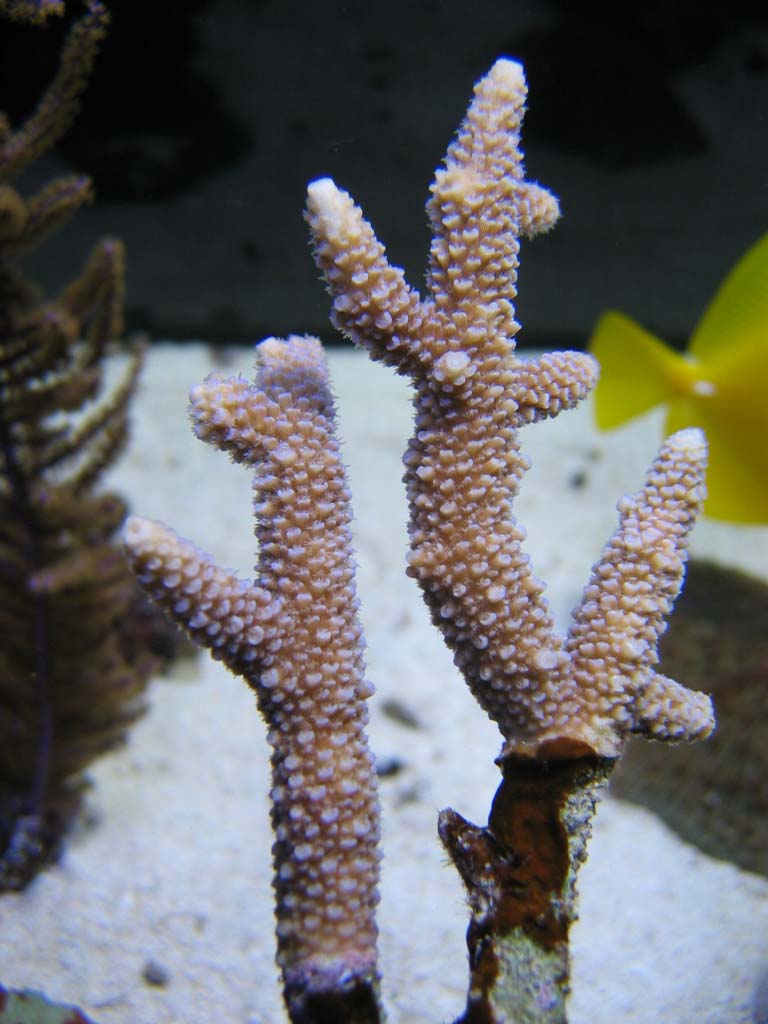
(636,370)
(737,470)
(738,312)
(740,374)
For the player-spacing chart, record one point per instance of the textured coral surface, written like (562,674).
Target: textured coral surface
(294,635)
(551,695)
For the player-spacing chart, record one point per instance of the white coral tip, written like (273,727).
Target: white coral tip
(691,439)
(508,74)
(328,204)
(140,534)
(134,528)
(272,348)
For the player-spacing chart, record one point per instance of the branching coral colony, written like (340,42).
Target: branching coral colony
(565,705)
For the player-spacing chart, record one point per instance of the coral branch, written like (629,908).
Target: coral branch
(373,303)
(293,634)
(473,257)
(565,705)
(464,464)
(613,642)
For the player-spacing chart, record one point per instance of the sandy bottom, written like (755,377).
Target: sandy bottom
(172,870)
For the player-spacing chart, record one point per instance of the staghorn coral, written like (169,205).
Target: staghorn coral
(293,634)
(564,704)
(75,634)
(464,464)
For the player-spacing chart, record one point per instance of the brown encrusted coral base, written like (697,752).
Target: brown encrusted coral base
(327,992)
(520,874)
(356,1004)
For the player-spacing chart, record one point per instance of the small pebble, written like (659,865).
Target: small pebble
(399,713)
(387,767)
(155,974)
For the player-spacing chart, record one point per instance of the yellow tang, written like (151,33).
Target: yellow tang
(720,384)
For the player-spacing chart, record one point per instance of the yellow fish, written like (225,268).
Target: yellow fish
(720,384)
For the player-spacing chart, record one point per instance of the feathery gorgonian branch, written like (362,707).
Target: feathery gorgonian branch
(58,107)
(97,295)
(293,634)
(76,643)
(51,208)
(35,11)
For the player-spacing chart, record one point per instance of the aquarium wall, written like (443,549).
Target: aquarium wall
(206,120)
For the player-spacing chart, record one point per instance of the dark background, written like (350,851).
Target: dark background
(206,119)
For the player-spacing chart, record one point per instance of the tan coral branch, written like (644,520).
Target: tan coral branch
(616,630)
(550,695)
(293,634)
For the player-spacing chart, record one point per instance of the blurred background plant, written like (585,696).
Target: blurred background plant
(77,641)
